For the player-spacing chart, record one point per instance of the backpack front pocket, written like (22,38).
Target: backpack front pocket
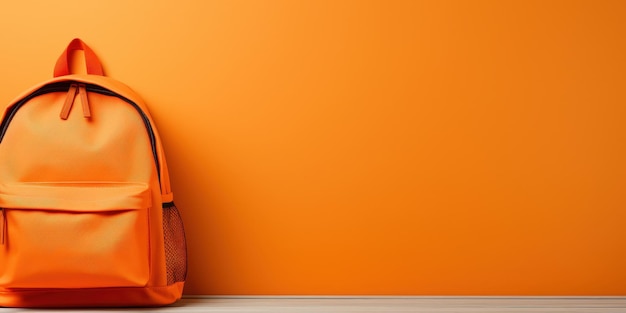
(74,235)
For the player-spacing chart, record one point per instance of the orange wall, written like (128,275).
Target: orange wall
(372,147)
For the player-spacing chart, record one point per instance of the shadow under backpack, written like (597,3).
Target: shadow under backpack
(87,216)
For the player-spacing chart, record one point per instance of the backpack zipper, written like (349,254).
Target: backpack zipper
(65,87)
(75,89)
(82,91)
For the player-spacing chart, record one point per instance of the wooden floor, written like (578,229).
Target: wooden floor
(380,305)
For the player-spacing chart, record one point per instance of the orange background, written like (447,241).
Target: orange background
(371,147)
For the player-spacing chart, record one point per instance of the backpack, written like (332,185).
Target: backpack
(87,216)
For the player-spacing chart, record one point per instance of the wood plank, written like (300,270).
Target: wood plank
(379,305)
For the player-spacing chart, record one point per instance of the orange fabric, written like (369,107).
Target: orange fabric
(84,100)
(109,226)
(149,296)
(69,101)
(122,89)
(3,226)
(93,64)
(81,197)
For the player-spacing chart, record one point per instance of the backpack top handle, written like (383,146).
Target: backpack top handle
(62,67)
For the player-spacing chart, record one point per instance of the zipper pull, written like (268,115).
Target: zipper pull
(69,100)
(82,90)
(3,225)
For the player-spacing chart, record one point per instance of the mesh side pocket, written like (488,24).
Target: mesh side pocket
(175,245)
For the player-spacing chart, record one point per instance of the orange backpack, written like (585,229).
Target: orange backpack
(87,216)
